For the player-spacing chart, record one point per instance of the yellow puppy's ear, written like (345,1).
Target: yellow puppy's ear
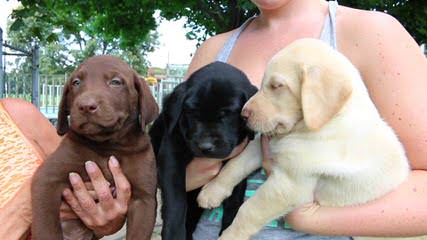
(323,93)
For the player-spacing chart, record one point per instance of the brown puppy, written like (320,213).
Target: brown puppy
(109,106)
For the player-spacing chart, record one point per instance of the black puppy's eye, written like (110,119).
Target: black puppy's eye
(116,82)
(75,82)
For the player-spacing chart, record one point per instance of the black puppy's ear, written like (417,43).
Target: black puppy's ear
(62,126)
(250,91)
(172,107)
(147,106)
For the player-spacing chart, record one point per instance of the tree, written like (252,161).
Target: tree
(210,17)
(129,21)
(66,42)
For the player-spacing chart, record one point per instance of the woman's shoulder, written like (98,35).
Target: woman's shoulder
(351,16)
(364,25)
(208,51)
(33,124)
(18,109)
(363,34)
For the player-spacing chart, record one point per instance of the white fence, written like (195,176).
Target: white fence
(51,87)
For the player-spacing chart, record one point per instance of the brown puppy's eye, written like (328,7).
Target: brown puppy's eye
(116,82)
(75,82)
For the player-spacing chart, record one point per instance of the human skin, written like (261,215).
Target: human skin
(393,68)
(16,214)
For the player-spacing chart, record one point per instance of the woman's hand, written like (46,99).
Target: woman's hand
(98,209)
(200,171)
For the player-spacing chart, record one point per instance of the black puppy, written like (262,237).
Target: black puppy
(200,118)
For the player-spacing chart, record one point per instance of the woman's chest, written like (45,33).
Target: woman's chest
(253,51)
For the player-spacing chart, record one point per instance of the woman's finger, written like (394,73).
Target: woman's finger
(92,192)
(123,189)
(100,185)
(84,200)
(66,213)
(73,204)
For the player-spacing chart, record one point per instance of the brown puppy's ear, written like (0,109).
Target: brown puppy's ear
(148,108)
(62,126)
(323,93)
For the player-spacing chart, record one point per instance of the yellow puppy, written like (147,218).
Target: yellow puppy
(329,143)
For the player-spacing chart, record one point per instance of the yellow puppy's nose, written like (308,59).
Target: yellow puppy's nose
(246,113)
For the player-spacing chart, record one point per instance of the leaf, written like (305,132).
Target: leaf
(52,37)
(16,25)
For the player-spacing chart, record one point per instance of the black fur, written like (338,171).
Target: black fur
(200,118)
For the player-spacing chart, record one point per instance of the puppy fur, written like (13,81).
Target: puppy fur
(200,118)
(329,144)
(108,107)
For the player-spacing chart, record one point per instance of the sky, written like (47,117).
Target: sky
(173,48)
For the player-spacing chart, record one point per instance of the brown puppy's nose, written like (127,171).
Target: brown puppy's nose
(88,106)
(246,113)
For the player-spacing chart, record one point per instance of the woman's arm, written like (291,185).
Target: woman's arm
(36,128)
(395,72)
(402,212)
(15,216)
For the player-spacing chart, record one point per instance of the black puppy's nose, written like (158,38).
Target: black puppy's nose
(88,106)
(206,147)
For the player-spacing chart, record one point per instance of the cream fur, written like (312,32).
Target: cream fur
(329,143)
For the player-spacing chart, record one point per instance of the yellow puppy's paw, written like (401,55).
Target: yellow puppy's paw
(212,195)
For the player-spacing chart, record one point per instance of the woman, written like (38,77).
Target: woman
(26,138)
(394,71)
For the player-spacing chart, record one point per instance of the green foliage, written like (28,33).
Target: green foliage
(128,22)
(71,31)
(208,17)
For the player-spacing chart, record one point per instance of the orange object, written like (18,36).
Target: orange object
(18,158)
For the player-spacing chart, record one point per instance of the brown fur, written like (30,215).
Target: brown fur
(116,128)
